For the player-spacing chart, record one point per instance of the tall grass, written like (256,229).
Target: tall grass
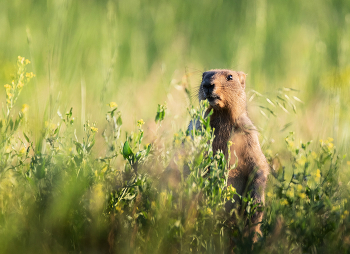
(68,181)
(135,52)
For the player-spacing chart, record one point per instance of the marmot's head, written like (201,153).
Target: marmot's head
(224,89)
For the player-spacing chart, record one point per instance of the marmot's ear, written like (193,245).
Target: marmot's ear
(241,78)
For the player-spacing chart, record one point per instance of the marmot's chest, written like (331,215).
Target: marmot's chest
(239,145)
(222,135)
(239,149)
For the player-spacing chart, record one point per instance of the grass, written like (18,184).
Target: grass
(87,180)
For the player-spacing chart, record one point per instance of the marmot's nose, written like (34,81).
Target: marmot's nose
(208,87)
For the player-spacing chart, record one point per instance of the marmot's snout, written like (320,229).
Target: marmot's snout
(209,86)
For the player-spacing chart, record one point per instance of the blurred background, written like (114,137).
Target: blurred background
(138,54)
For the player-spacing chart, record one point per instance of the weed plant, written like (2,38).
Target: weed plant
(58,196)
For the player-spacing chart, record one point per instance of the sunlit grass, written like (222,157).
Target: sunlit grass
(113,62)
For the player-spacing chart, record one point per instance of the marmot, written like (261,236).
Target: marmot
(225,92)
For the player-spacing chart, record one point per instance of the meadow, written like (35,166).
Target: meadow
(96,99)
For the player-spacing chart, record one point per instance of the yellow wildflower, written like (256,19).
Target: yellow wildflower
(20,84)
(22,150)
(318,173)
(25,108)
(330,139)
(10,95)
(53,126)
(269,152)
(7,86)
(232,189)
(346,212)
(314,155)
(21,59)
(269,194)
(119,209)
(94,129)
(335,208)
(284,202)
(229,144)
(209,211)
(302,195)
(30,75)
(290,193)
(302,160)
(112,104)
(140,123)
(27,61)
(104,169)
(8,149)
(330,145)
(300,187)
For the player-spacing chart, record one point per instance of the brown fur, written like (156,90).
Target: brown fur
(225,91)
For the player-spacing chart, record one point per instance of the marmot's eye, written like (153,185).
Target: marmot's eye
(229,77)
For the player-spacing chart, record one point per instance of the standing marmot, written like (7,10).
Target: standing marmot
(225,91)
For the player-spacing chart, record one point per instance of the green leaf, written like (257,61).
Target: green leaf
(79,147)
(112,112)
(148,149)
(119,121)
(17,123)
(272,113)
(11,124)
(199,158)
(78,160)
(138,155)
(286,126)
(69,114)
(88,148)
(127,152)
(160,113)
(26,137)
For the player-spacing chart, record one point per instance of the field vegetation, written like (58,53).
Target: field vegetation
(96,100)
